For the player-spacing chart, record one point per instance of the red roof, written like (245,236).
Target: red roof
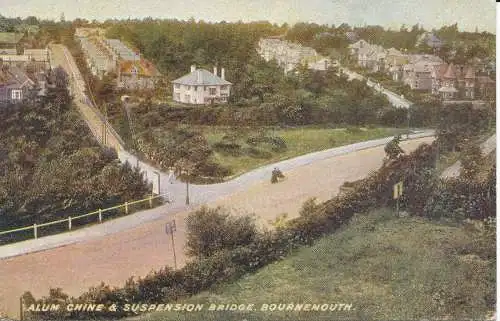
(469,73)
(450,72)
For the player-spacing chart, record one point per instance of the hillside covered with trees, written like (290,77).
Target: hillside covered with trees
(50,165)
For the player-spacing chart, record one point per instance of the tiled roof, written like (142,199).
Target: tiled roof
(450,72)
(143,67)
(469,73)
(201,77)
(14,77)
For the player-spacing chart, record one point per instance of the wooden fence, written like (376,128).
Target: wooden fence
(100,214)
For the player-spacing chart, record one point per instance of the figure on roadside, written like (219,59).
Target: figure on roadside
(276,175)
(392,149)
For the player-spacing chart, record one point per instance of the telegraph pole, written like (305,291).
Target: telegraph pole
(170,229)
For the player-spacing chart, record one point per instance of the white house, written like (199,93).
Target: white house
(202,87)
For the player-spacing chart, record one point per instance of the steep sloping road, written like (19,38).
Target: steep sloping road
(136,251)
(487,147)
(395,99)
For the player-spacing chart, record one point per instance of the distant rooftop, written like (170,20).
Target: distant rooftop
(201,77)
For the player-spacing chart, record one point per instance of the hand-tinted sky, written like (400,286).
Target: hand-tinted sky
(390,13)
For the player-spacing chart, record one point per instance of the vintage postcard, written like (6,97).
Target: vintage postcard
(247,160)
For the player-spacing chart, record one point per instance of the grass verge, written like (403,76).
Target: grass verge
(387,268)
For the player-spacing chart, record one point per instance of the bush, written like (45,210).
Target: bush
(257,153)
(232,149)
(212,230)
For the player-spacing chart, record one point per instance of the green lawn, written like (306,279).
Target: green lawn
(299,141)
(388,268)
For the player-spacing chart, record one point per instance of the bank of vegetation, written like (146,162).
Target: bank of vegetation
(51,167)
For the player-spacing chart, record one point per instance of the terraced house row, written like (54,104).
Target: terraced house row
(289,55)
(113,57)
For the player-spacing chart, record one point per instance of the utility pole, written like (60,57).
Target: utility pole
(409,117)
(187,187)
(170,229)
(21,308)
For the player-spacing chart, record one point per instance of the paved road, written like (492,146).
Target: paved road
(176,191)
(102,131)
(394,98)
(487,147)
(129,250)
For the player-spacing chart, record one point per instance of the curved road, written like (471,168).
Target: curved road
(115,257)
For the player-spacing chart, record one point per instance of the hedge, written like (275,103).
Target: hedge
(168,285)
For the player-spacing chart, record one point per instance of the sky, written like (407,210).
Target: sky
(389,13)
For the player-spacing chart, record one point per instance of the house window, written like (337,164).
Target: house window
(223,87)
(16,94)
(178,97)
(213,91)
(188,87)
(177,86)
(195,88)
(187,98)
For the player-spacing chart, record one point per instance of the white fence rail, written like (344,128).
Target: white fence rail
(71,219)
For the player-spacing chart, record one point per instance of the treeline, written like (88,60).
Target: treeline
(459,46)
(174,45)
(50,165)
(238,248)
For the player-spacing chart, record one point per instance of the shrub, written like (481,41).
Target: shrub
(309,207)
(211,230)
(353,130)
(257,153)
(232,149)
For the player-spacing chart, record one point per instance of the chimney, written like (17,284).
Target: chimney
(215,70)
(193,68)
(223,74)
(198,76)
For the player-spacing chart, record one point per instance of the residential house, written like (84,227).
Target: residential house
(394,62)
(99,61)
(15,85)
(418,72)
(354,48)
(140,74)
(369,56)
(288,55)
(372,57)
(429,39)
(202,87)
(351,36)
(458,82)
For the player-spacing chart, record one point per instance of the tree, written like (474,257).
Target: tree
(392,149)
